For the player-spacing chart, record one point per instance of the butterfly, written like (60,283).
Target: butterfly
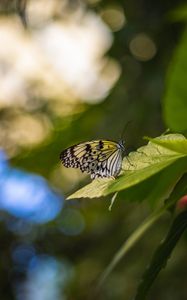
(99,158)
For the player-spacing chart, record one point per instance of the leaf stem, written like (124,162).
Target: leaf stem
(129,243)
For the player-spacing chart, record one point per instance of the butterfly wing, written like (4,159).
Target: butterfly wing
(110,167)
(100,158)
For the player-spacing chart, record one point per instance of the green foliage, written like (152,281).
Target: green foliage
(175,100)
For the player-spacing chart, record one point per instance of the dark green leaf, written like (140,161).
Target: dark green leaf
(162,255)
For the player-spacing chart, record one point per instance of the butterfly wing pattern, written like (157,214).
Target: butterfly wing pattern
(99,158)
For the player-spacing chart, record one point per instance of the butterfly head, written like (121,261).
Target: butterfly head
(122,145)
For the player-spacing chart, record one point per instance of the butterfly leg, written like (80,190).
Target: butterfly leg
(112,201)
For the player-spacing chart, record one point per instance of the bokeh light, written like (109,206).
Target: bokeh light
(114,17)
(71,222)
(44,69)
(27,196)
(22,255)
(54,59)
(20,227)
(142,47)
(45,277)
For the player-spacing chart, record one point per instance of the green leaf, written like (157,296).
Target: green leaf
(178,145)
(141,167)
(162,255)
(175,99)
(178,14)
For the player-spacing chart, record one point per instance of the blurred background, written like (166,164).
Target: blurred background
(73,71)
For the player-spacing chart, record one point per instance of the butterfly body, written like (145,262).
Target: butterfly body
(99,158)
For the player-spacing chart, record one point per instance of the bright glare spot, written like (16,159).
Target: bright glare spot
(57,59)
(114,17)
(60,63)
(142,47)
(74,51)
(36,13)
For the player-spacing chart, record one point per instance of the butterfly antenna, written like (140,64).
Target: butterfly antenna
(124,129)
(122,138)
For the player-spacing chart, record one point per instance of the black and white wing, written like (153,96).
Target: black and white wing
(102,158)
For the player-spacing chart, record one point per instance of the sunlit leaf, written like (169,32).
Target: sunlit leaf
(141,165)
(173,142)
